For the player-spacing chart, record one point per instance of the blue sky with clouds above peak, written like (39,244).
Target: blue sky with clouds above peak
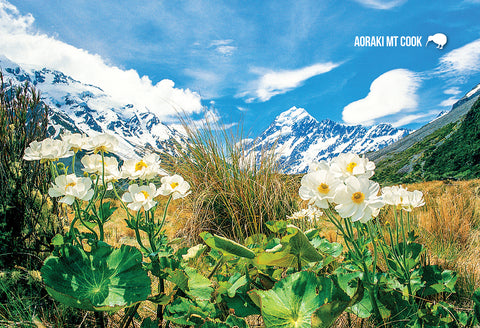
(251,60)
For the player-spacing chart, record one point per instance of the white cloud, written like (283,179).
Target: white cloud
(22,44)
(461,62)
(242,109)
(381,4)
(409,119)
(393,92)
(452,91)
(449,102)
(273,83)
(223,47)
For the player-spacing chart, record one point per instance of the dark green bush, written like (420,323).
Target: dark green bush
(28,219)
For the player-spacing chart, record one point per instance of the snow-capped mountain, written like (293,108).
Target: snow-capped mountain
(85,108)
(299,139)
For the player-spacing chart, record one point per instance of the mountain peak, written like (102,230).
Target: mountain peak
(293,114)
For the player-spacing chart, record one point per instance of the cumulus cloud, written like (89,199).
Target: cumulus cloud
(381,4)
(21,43)
(272,83)
(461,62)
(392,93)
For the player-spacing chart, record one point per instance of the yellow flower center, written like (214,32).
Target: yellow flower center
(174,185)
(351,166)
(145,194)
(323,188)
(71,184)
(140,165)
(101,149)
(358,197)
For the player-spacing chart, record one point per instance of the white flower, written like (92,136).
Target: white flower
(147,168)
(174,185)
(349,164)
(415,199)
(318,187)
(93,164)
(402,198)
(76,140)
(358,199)
(102,143)
(317,166)
(71,187)
(47,149)
(142,196)
(310,214)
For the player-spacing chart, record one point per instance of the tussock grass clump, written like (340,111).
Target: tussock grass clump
(450,227)
(234,192)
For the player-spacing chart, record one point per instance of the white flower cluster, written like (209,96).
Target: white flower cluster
(402,198)
(310,214)
(344,182)
(106,170)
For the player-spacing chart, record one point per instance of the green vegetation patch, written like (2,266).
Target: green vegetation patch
(451,152)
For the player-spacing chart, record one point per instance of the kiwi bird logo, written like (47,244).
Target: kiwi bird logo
(439,39)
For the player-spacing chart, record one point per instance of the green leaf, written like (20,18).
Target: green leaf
(234,321)
(348,280)
(476,304)
(242,281)
(364,308)
(106,211)
(106,279)
(184,311)
(436,315)
(226,245)
(161,299)
(199,286)
(57,240)
(242,305)
(302,300)
(328,313)
(277,226)
(149,323)
(438,281)
(256,241)
(326,247)
(295,245)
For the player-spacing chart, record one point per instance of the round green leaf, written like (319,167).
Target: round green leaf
(106,279)
(296,299)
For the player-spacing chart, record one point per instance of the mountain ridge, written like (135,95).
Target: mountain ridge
(299,139)
(85,108)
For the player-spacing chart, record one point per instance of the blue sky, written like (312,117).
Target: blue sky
(250,60)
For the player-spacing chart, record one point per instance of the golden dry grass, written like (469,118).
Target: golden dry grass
(449,226)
